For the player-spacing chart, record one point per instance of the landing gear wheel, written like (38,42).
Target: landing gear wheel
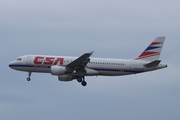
(79,79)
(28,79)
(83,83)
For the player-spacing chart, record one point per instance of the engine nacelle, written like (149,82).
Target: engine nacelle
(65,78)
(58,70)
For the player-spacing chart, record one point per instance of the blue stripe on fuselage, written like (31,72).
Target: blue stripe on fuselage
(32,66)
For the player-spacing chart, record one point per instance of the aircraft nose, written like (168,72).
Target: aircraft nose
(11,64)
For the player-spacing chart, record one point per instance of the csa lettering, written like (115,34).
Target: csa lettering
(58,61)
(40,60)
(49,61)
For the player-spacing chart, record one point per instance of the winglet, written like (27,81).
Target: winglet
(91,52)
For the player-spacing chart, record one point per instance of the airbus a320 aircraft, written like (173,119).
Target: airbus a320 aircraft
(69,68)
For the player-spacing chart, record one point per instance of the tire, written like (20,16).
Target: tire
(83,83)
(28,79)
(79,79)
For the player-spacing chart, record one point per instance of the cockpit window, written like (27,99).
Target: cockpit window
(19,59)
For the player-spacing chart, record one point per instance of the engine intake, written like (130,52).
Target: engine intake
(58,70)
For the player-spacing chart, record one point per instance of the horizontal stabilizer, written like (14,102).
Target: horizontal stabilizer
(153,64)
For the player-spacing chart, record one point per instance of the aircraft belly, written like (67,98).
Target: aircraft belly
(44,70)
(111,73)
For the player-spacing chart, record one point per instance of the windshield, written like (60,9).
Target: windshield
(19,59)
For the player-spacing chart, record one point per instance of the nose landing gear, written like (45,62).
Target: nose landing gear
(29,76)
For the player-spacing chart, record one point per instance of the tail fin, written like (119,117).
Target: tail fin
(153,51)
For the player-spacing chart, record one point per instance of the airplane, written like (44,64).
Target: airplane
(68,68)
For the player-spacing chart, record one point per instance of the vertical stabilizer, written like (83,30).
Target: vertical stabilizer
(153,51)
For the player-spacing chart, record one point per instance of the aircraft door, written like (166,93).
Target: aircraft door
(29,60)
(133,64)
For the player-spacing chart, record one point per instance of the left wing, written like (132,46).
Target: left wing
(79,64)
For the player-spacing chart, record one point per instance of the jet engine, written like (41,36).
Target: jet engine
(65,78)
(58,70)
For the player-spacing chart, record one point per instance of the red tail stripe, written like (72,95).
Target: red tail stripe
(147,53)
(151,55)
(155,43)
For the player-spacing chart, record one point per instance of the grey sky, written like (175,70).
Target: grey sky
(113,29)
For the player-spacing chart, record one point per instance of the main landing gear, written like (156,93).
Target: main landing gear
(29,76)
(82,81)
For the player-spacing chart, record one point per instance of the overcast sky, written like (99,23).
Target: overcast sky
(112,29)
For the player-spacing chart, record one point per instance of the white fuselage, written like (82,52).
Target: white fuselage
(70,68)
(96,66)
